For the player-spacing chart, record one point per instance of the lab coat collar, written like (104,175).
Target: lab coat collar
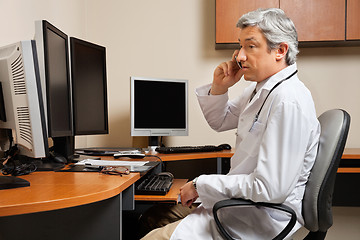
(277,77)
(266,85)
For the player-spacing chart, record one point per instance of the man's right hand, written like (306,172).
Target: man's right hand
(226,75)
(188,194)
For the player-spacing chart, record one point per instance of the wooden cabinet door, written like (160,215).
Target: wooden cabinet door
(317,20)
(228,13)
(353,20)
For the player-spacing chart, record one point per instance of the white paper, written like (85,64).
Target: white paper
(92,162)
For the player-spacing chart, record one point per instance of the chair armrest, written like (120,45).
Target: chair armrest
(243,202)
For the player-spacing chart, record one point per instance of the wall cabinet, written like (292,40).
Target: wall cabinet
(319,23)
(229,11)
(320,20)
(353,20)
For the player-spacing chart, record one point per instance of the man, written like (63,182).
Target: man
(277,134)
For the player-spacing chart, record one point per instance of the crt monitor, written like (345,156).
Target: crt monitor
(159,107)
(22,107)
(21,104)
(89,86)
(53,53)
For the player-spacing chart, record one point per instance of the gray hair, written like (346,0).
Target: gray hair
(276,27)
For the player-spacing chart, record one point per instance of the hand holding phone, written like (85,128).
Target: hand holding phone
(226,75)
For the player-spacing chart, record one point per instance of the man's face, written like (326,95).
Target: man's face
(257,61)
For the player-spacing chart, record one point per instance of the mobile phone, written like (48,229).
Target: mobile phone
(238,63)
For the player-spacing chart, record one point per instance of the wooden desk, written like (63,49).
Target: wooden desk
(349,153)
(199,155)
(214,162)
(57,190)
(65,205)
(347,176)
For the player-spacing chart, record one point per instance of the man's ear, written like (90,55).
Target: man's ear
(281,51)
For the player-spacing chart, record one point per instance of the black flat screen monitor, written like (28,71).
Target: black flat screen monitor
(58,88)
(89,86)
(53,53)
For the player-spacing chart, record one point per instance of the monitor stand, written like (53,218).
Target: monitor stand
(48,165)
(154,142)
(8,182)
(42,164)
(65,147)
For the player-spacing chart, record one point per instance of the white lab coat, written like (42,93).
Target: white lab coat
(271,163)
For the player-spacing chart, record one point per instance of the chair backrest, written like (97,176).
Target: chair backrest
(319,189)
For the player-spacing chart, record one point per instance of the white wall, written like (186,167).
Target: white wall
(18,16)
(333,77)
(173,39)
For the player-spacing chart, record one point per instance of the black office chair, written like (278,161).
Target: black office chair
(317,200)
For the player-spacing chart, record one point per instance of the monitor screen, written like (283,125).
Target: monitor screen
(89,85)
(159,107)
(55,71)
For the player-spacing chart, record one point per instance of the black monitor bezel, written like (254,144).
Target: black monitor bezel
(51,132)
(73,42)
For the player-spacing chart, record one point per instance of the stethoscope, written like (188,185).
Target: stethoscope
(272,89)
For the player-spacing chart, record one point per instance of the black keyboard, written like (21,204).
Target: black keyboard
(154,185)
(189,149)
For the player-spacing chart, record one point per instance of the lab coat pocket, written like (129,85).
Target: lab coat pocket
(251,142)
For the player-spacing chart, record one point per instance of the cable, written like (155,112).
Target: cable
(161,144)
(10,165)
(10,153)
(18,169)
(161,161)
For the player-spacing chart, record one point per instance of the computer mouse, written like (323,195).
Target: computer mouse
(225,146)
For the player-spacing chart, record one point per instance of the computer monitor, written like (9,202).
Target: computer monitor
(75,106)
(89,87)
(22,107)
(21,104)
(53,53)
(159,107)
